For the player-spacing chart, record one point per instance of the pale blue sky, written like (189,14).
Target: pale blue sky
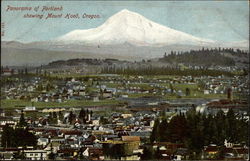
(216,20)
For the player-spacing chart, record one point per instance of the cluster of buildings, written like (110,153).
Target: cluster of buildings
(119,135)
(38,89)
(229,151)
(93,140)
(122,133)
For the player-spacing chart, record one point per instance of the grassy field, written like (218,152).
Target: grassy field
(72,103)
(159,76)
(180,86)
(145,86)
(137,95)
(74,75)
(175,96)
(112,85)
(196,95)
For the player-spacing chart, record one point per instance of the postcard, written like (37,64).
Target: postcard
(124,80)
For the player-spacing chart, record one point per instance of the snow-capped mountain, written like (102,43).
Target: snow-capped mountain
(133,28)
(126,36)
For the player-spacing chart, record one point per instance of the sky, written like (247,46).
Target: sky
(225,21)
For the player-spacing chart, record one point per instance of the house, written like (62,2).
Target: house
(95,122)
(35,154)
(68,152)
(126,115)
(228,153)
(107,94)
(85,151)
(181,154)
(96,153)
(30,109)
(131,144)
(206,92)
(112,90)
(124,96)
(68,133)
(127,147)
(82,92)
(2,113)
(7,71)
(42,141)
(8,153)
(211,151)
(8,121)
(164,154)
(242,153)
(96,99)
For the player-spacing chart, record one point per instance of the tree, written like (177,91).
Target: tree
(54,115)
(12,71)
(164,133)
(17,137)
(40,87)
(52,118)
(82,115)
(229,93)
(155,132)
(165,55)
(103,120)
(178,128)
(60,115)
(7,136)
(231,132)
(19,155)
(157,154)
(2,69)
(147,153)
(187,91)
(51,155)
(171,88)
(26,71)
(201,84)
(22,121)
(220,122)
(71,117)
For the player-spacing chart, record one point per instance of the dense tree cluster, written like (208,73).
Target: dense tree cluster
(22,122)
(53,118)
(84,115)
(196,130)
(17,137)
(204,57)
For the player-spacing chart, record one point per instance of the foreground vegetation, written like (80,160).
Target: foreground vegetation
(195,130)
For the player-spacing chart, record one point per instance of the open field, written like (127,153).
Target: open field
(40,105)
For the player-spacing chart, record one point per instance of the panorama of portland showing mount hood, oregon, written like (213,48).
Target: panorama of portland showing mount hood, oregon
(127,80)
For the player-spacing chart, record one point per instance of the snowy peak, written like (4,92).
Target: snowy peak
(133,28)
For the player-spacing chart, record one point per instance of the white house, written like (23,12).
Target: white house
(35,154)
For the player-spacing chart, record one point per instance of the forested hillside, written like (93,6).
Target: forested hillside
(205,57)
